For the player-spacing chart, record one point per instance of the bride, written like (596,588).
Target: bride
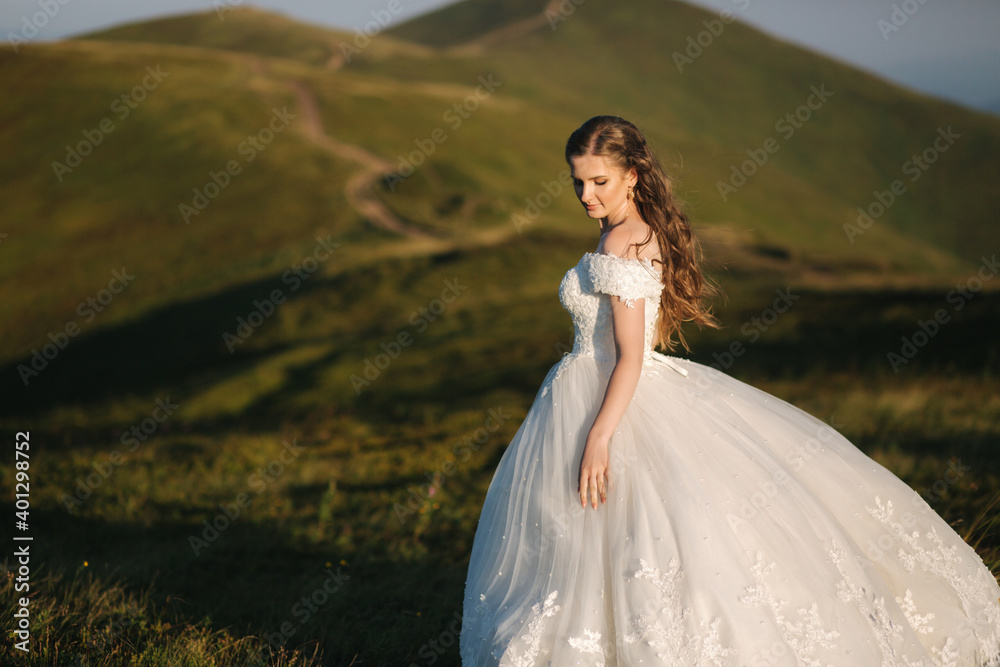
(655,511)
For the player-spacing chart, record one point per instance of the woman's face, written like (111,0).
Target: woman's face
(600,186)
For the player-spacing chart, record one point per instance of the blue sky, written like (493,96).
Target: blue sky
(951,49)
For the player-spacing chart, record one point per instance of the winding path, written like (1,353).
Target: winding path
(514,30)
(359,186)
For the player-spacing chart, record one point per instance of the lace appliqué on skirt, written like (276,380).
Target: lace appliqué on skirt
(944,562)
(666,629)
(803,636)
(526,653)
(591,644)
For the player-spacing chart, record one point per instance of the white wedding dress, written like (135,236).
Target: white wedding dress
(738,529)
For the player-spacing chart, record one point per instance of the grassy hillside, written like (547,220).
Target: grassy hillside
(462,22)
(728,99)
(702,120)
(725,102)
(242,29)
(248,30)
(255,316)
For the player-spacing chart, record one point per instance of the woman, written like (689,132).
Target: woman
(654,511)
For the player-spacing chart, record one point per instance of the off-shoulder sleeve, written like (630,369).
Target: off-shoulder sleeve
(628,279)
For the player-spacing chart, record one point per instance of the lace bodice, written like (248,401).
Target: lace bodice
(584,290)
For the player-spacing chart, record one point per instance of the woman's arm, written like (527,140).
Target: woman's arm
(629,332)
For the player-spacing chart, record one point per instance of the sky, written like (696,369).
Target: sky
(949,50)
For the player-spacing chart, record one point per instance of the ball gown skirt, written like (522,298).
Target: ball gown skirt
(738,529)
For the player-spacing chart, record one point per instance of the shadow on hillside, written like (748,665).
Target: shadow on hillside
(855,332)
(174,348)
(163,348)
(826,334)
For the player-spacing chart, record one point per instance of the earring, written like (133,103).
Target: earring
(631,193)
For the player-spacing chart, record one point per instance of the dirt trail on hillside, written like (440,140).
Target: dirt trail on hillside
(359,186)
(514,30)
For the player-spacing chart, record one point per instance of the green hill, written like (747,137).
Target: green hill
(245,29)
(461,22)
(241,29)
(706,106)
(241,215)
(388,100)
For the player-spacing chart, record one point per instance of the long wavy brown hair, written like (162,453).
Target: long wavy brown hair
(685,288)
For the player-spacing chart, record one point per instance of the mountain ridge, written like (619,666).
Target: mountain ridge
(387,102)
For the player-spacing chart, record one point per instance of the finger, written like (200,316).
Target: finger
(593,493)
(583,491)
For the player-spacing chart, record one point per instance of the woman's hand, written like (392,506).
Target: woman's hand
(628,320)
(595,473)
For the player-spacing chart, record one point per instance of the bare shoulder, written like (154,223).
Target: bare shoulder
(622,241)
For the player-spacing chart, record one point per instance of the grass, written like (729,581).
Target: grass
(342,503)
(141,558)
(86,620)
(234,28)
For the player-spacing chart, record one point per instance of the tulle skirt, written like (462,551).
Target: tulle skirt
(738,530)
